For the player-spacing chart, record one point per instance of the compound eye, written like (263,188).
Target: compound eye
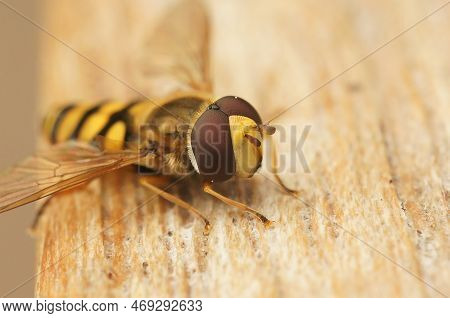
(212,143)
(232,105)
(212,146)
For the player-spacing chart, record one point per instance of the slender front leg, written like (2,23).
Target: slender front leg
(274,167)
(177,201)
(207,188)
(43,207)
(38,216)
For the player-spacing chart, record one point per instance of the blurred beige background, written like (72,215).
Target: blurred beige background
(18,127)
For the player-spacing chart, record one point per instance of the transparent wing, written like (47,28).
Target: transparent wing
(59,168)
(176,55)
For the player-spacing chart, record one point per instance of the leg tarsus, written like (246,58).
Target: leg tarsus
(285,188)
(267,223)
(177,201)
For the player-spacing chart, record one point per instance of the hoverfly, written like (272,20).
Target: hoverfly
(187,131)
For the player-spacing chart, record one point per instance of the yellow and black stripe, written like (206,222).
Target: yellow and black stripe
(84,122)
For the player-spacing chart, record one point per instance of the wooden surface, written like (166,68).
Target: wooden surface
(372,218)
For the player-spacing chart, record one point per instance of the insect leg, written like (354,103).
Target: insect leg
(207,188)
(43,207)
(175,200)
(39,214)
(274,167)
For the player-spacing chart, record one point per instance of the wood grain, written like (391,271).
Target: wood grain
(372,218)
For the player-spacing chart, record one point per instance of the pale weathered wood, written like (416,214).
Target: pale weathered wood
(378,155)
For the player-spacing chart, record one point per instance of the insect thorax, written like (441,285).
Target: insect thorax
(167,128)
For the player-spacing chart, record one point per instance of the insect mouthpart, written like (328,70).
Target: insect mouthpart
(267,129)
(253,140)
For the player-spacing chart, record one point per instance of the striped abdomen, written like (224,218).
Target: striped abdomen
(115,121)
(121,122)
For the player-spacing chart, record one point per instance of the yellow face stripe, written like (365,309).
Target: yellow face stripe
(69,123)
(248,156)
(115,136)
(95,123)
